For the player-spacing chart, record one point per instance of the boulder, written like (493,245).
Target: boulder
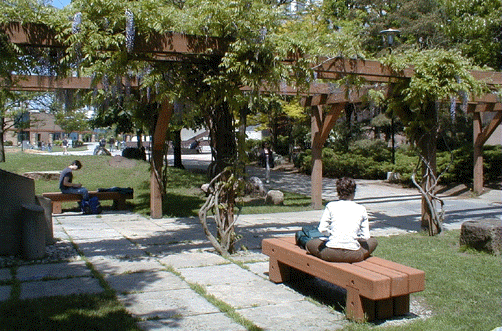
(254,187)
(274,197)
(205,188)
(484,235)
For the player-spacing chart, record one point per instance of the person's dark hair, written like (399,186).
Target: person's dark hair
(77,163)
(345,187)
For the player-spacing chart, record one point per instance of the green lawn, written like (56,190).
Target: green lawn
(184,196)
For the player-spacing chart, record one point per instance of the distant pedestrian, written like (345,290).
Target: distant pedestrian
(65,146)
(195,145)
(111,142)
(267,160)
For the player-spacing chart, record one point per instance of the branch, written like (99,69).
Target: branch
(203,221)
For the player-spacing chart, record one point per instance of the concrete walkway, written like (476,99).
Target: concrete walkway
(155,265)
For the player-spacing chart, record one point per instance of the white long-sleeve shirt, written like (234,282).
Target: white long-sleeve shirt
(345,221)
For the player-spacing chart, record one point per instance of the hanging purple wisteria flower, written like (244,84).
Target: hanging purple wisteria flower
(130,30)
(77,21)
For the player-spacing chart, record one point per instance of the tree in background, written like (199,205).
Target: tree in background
(439,75)
(475,28)
(12,107)
(470,26)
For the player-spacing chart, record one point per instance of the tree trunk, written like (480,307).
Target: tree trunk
(241,138)
(223,138)
(177,149)
(2,146)
(221,201)
(428,146)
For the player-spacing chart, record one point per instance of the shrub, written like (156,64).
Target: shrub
(77,143)
(337,164)
(461,168)
(282,147)
(375,149)
(134,153)
(360,163)
(492,162)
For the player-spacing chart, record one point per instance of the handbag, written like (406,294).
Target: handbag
(307,233)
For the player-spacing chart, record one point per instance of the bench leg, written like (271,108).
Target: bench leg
(278,272)
(384,309)
(401,305)
(119,204)
(358,308)
(56,207)
(361,309)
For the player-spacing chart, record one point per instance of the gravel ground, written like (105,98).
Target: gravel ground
(60,251)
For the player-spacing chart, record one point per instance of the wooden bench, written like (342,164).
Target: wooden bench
(57,198)
(376,288)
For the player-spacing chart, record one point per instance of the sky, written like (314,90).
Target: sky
(60,3)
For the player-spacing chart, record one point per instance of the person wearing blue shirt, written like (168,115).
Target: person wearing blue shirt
(66,184)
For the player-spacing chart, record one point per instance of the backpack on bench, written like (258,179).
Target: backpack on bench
(91,206)
(307,233)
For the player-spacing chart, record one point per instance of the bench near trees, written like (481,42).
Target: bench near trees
(57,198)
(376,288)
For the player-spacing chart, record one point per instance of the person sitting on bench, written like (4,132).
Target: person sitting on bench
(345,224)
(66,184)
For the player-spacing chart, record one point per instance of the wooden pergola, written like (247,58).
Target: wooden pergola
(180,47)
(375,72)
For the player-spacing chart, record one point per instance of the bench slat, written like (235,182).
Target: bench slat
(399,280)
(372,285)
(58,197)
(416,277)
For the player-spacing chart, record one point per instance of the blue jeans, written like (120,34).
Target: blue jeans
(80,190)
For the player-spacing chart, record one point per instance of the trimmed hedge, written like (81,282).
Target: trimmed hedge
(372,161)
(461,167)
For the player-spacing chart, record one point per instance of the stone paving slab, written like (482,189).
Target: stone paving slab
(249,256)
(176,247)
(5,274)
(76,221)
(299,315)
(116,266)
(167,304)
(145,282)
(256,293)
(53,270)
(68,286)
(206,322)
(221,274)
(91,233)
(133,230)
(119,247)
(4,293)
(59,233)
(259,268)
(192,259)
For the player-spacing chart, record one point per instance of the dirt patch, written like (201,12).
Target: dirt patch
(122,162)
(33,151)
(12,149)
